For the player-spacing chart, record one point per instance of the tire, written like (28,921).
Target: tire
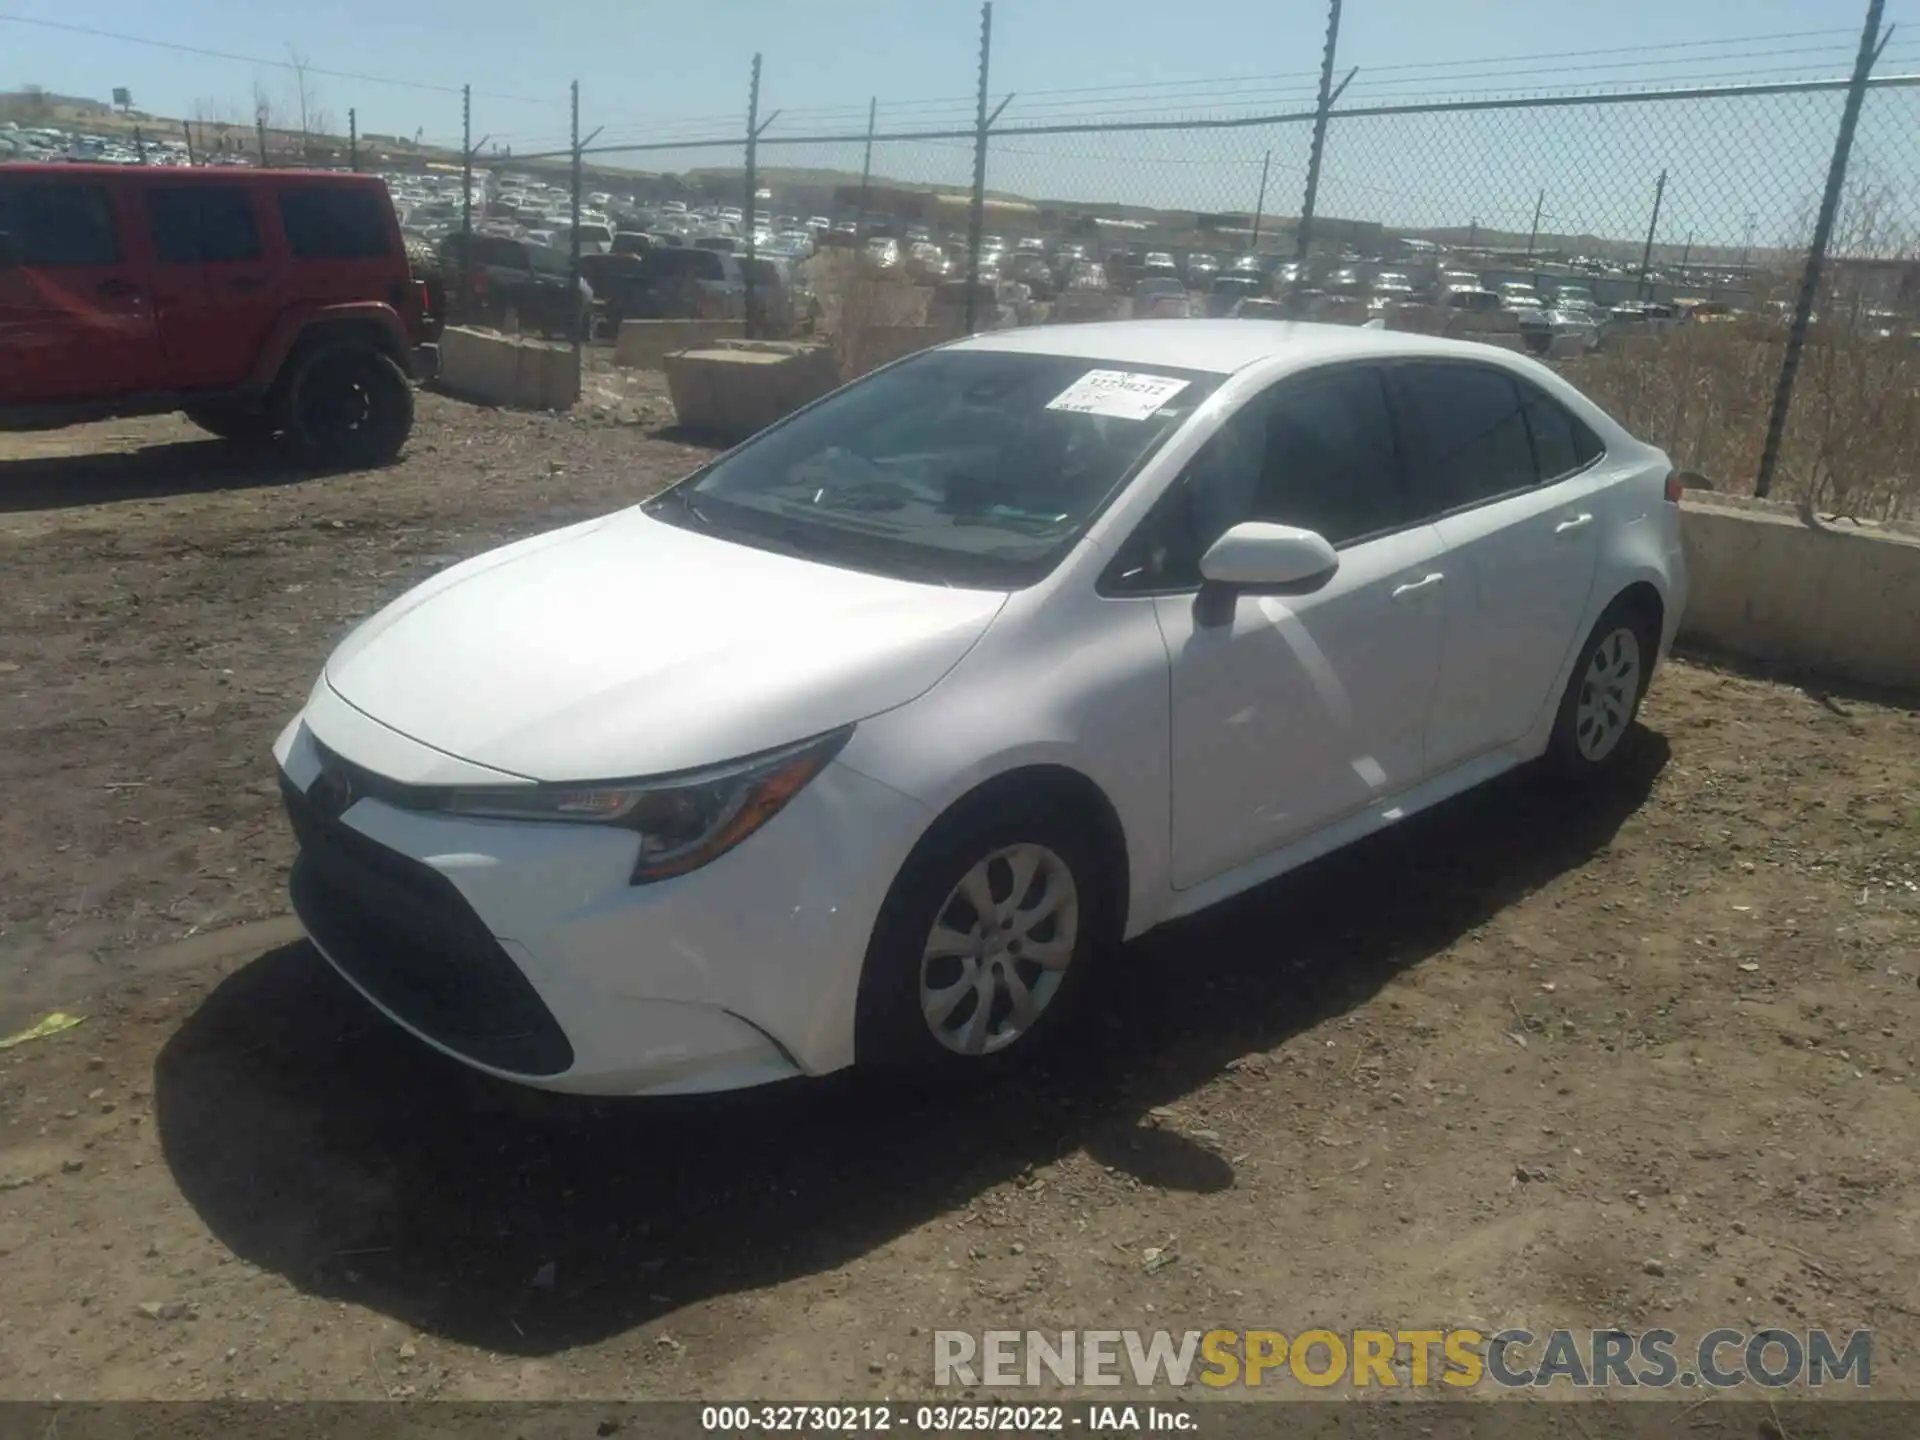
(951,1007)
(230,422)
(1604,692)
(347,406)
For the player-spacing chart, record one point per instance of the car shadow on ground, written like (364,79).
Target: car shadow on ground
(320,1143)
(183,467)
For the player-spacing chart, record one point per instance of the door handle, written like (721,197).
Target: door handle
(1573,526)
(1414,587)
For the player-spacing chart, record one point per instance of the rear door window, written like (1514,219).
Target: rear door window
(335,222)
(1472,441)
(203,224)
(60,225)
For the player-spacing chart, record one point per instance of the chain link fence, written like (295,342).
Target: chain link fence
(1700,195)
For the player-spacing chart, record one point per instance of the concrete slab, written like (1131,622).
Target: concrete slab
(506,370)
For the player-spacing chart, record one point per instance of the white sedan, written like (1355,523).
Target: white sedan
(870,739)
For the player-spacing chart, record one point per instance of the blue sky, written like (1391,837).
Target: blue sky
(652,70)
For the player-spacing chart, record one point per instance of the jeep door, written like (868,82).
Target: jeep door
(218,286)
(76,310)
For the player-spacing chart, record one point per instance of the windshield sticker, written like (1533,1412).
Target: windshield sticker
(1122,394)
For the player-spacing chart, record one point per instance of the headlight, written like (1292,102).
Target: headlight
(684,821)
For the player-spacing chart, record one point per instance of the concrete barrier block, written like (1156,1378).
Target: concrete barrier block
(1837,601)
(735,390)
(507,370)
(645,344)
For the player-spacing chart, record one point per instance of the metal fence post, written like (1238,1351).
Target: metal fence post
(1817,251)
(353,140)
(466,201)
(187,130)
(753,186)
(866,168)
(260,128)
(1653,224)
(139,146)
(579,320)
(1260,205)
(1304,238)
(1533,235)
(977,211)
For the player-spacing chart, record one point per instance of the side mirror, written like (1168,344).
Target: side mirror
(1256,555)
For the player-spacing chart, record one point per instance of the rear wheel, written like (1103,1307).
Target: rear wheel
(1604,692)
(347,405)
(231,422)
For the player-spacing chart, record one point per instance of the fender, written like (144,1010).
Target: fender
(295,322)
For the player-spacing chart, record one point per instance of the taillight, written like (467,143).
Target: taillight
(423,298)
(1675,487)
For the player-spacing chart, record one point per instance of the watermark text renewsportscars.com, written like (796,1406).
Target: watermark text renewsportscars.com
(1723,1359)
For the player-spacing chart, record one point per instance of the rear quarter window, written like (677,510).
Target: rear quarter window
(336,223)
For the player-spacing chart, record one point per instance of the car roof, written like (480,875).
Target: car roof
(1218,346)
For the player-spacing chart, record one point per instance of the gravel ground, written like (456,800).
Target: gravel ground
(1642,1057)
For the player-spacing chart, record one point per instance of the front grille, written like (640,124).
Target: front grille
(405,934)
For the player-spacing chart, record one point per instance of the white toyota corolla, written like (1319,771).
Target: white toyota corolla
(866,740)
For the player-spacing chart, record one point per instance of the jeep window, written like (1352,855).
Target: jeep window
(546,260)
(202,224)
(333,222)
(60,224)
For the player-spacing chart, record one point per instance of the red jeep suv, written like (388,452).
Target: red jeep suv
(259,302)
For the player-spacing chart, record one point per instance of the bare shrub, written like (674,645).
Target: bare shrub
(862,308)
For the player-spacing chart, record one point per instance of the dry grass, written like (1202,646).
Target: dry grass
(863,309)
(1704,392)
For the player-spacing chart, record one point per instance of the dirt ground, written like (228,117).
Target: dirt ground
(1642,1057)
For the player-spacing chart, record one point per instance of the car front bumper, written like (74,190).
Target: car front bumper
(523,949)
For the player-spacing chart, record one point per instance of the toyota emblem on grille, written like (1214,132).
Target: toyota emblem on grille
(332,792)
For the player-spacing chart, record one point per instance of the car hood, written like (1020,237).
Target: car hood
(626,646)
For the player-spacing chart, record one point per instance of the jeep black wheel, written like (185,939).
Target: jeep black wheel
(348,405)
(231,422)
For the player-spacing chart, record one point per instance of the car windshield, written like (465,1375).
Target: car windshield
(977,468)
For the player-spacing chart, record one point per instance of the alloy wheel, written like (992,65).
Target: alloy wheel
(999,949)
(1608,693)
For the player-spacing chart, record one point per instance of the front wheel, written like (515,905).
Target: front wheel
(1604,692)
(348,405)
(985,942)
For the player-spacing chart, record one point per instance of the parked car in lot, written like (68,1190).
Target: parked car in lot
(515,285)
(1229,289)
(1003,654)
(1159,298)
(1581,325)
(1158,265)
(1470,298)
(1201,268)
(259,302)
(675,282)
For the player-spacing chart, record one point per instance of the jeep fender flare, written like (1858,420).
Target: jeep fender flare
(305,326)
